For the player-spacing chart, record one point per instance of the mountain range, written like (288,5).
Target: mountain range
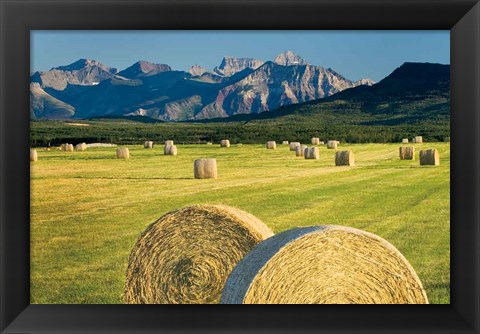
(88,89)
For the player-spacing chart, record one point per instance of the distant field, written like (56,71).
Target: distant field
(88,208)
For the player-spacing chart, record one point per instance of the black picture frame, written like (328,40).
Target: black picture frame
(18,17)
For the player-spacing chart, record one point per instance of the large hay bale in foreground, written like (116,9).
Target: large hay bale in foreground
(405,141)
(148,144)
(205,169)
(344,158)
(271,145)
(224,143)
(300,150)
(315,141)
(324,265)
(332,144)
(429,157)
(123,153)
(312,153)
(285,142)
(170,150)
(293,145)
(185,257)
(33,155)
(81,147)
(168,142)
(407,153)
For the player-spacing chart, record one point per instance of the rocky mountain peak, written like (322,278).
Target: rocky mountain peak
(288,58)
(143,67)
(231,65)
(196,70)
(84,64)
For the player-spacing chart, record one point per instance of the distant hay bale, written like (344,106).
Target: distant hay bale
(33,155)
(123,153)
(293,145)
(429,157)
(300,150)
(407,153)
(332,144)
(324,265)
(315,141)
(271,145)
(209,143)
(148,144)
(170,150)
(168,142)
(239,145)
(186,256)
(285,142)
(344,158)
(69,148)
(322,143)
(47,148)
(205,169)
(405,141)
(312,153)
(417,139)
(446,139)
(224,143)
(81,147)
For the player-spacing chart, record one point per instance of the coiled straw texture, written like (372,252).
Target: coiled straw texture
(186,256)
(324,265)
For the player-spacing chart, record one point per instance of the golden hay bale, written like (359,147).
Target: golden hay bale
(185,257)
(33,155)
(170,150)
(405,141)
(344,158)
(168,142)
(300,150)
(332,144)
(407,153)
(429,157)
(312,153)
(315,141)
(69,148)
(205,169)
(324,265)
(285,142)
(417,139)
(81,147)
(293,145)
(322,143)
(148,144)
(271,145)
(62,147)
(209,143)
(224,143)
(123,153)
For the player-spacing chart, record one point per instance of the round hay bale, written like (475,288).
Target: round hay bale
(185,257)
(429,157)
(69,148)
(123,153)
(271,145)
(322,143)
(315,141)
(170,150)
(405,141)
(224,143)
(407,153)
(81,147)
(300,150)
(344,158)
(33,155)
(324,265)
(418,139)
(332,144)
(312,153)
(293,145)
(285,142)
(148,144)
(168,142)
(205,169)
(209,143)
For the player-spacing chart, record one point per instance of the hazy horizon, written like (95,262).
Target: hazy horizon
(347,52)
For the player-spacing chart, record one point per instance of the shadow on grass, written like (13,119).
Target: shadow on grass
(128,178)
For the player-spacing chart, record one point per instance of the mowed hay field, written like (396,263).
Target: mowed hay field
(88,208)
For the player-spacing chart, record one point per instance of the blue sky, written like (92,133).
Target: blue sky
(354,54)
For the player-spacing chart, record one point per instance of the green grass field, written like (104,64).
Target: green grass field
(88,208)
